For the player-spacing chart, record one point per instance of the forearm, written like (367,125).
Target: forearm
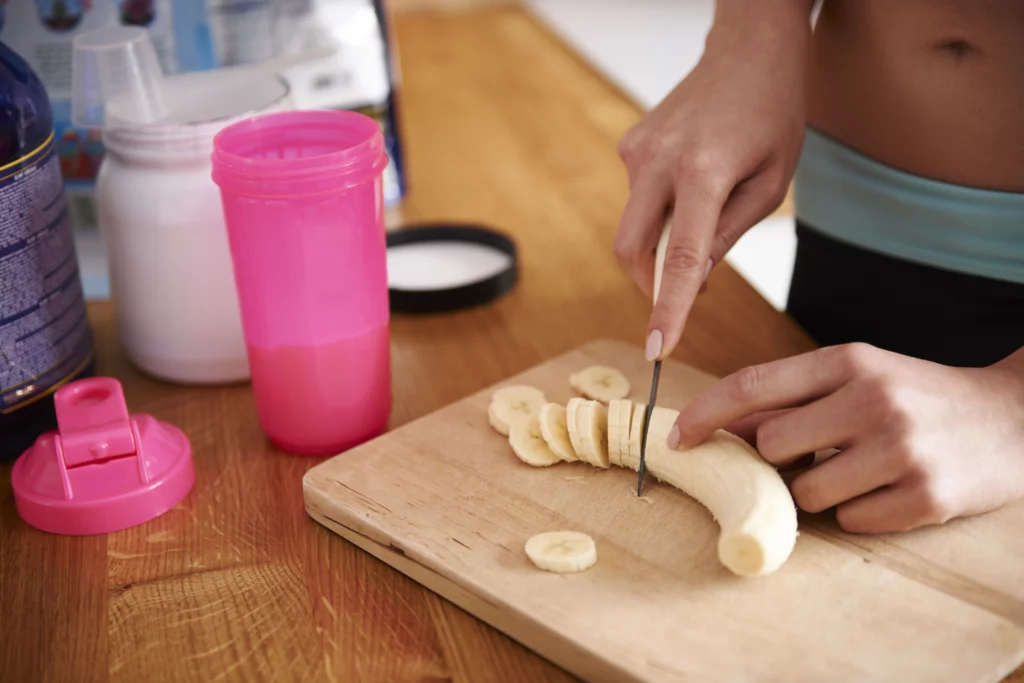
(785,24)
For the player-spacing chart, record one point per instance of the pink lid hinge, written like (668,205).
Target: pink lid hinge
(94,427)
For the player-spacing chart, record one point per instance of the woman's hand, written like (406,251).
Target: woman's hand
(718,153)
(919,443)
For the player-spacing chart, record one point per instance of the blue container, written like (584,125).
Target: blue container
(45,338)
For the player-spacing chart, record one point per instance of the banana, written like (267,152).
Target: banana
(592,424)
(613,432)
(528,443)
(511,403)
(600,383)
(572,426)
(631,456)
(618,425)
(562,552)
(745,495)
(627,422)
(555,431)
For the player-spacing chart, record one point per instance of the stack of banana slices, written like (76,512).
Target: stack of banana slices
(745,495)
(542,433)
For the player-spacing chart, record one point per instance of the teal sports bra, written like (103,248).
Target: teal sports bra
(852,198)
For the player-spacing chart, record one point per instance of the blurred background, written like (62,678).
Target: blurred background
(341,54)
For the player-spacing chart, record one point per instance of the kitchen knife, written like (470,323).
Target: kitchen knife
(659,265)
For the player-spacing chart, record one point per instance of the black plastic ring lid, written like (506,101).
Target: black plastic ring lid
(435,268)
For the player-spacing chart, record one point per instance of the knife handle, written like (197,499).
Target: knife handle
(659,256)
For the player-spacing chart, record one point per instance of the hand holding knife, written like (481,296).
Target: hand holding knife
(659,266)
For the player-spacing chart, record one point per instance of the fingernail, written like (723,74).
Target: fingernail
(673,437)
(654,341)
(707,270)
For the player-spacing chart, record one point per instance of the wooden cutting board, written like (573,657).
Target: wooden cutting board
(443,500)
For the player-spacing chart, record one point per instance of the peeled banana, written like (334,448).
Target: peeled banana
(745,495)
(562,551)
(600,383)
(511,403)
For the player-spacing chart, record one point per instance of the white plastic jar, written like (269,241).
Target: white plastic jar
(162,224)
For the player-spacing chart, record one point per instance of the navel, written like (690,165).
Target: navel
(957,48)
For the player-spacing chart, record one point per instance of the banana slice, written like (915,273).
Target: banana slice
(618,423)
(626,418)
(613,432)
(528,443)
(555,431)
(562,552)
(572,426)
(509,404)
(631,457)
(600,383)
(592,424)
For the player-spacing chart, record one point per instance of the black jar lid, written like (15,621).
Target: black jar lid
(445,267)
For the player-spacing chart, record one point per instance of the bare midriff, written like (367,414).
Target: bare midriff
(931,87)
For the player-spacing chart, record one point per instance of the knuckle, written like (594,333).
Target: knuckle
(849,521)
(906,459)
(856,357)
(891,409)
(701,163)
(745,386)
(879,391)
(632,145)
(768,441)
(704,169)
(932,506)
(681,257)
(807,494)
(622,248)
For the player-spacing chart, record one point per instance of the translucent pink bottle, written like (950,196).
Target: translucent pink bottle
(303,202)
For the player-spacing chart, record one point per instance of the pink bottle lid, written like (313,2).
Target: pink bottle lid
(102,469)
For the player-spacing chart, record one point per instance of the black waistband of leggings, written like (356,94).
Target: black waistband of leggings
(841,293)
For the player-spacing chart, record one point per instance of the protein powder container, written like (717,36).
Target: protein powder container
(45,338)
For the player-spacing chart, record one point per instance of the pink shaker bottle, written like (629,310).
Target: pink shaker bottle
(303,203)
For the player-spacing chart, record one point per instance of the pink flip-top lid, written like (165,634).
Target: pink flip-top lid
(102,469)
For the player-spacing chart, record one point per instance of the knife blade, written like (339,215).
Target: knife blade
(659,266)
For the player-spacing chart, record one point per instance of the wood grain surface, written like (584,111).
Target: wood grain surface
(444,500)
(503,125)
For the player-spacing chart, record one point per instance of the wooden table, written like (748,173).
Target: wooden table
(505,126)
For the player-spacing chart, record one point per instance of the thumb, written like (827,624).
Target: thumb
(692,230)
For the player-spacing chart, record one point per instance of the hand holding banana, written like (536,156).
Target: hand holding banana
(919,443)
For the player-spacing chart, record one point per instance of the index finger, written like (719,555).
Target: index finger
(786,383)
(693,224)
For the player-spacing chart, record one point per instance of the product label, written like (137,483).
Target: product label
(42,31)
(44,333)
